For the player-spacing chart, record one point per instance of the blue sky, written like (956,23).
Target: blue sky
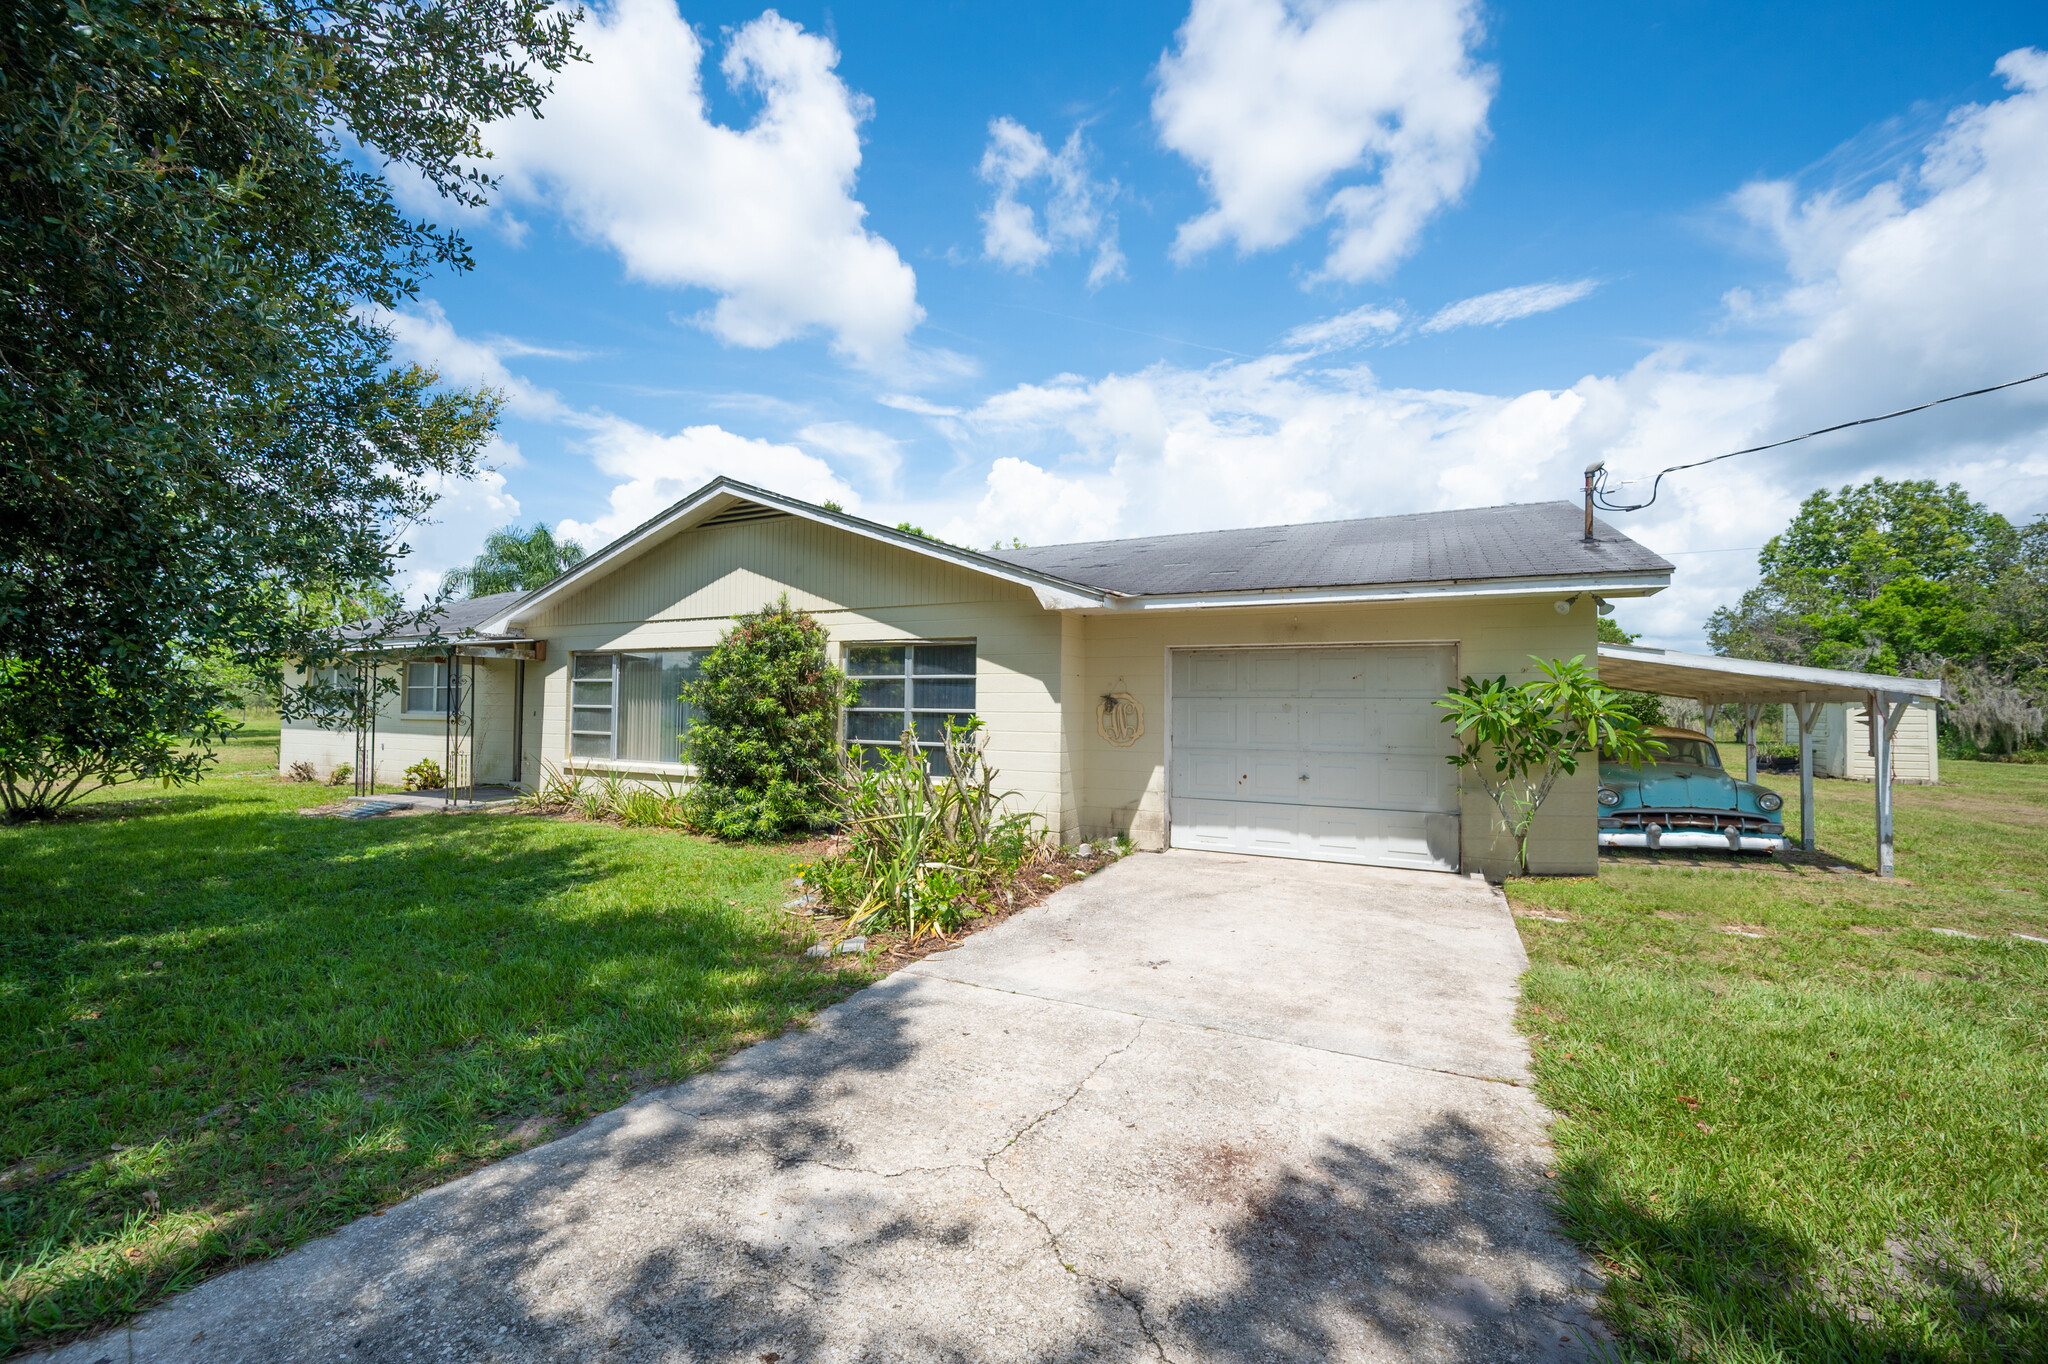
(1062,272)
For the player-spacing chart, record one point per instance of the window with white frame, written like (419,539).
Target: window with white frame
(915,687)
(426,688)
(630,706)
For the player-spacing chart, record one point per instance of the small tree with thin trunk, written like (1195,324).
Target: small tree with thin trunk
(1518,740)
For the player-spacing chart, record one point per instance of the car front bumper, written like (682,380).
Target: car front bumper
(1732,841)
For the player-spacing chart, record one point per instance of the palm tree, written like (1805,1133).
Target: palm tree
(514,561)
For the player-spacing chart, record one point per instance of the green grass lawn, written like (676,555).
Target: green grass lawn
(1796,1122)
(225,1028)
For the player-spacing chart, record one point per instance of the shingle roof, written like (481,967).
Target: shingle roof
(1532,540)
(463,617)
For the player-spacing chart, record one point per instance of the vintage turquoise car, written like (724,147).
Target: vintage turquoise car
(1685,800)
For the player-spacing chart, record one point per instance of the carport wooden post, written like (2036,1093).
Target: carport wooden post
(1808,714)
(1749,741)
(1885,714)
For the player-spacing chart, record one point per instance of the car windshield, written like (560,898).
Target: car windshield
(1698,752)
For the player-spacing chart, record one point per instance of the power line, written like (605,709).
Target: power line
(1598,474)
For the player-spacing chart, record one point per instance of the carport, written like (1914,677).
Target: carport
(1715,681)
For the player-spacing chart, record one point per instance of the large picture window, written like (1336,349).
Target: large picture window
(630,705)
(915,687)
(426,688)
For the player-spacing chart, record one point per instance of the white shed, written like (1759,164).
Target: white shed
(1842,744)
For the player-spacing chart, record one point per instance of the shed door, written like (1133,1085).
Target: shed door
(1332,754)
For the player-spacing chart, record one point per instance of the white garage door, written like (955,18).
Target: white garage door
(1333,754)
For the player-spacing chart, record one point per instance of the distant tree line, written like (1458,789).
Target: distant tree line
(1909,577)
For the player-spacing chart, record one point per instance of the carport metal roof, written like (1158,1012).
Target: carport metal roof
(1736,681)
(1748,682)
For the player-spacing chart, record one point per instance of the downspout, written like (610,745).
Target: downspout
(518,720)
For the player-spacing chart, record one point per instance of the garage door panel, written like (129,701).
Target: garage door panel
(1416,784)
(1412,726)
(1334,754)
(1272,829)
(1339,833)
(1337,672)
(1214,776)
(1405,838)
(1272,778)
(1273,724)
(1341,779)
(1207,674)
(1334,724)
(1421,672)
(1366,837)
(1205,824)
(1274,672)
(1202,721)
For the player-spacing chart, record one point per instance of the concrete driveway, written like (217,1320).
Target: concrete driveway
(1198,1107)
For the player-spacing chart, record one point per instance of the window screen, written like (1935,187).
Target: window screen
(915,687)
(630,705)
(426,688)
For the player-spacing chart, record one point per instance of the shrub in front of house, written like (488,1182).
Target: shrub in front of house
(925,851)
(424,775)
(765,740)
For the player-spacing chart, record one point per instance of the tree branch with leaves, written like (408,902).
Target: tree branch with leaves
(201,418)
(1518,740)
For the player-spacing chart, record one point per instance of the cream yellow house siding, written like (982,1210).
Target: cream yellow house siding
(1124,790)
(684,593)
(403,740)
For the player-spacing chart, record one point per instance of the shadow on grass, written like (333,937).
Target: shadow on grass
(1679,859)
(277,1024)
(1710,1282)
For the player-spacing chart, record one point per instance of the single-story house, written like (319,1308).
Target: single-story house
(1262,691)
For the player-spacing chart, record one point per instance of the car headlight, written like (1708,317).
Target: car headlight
(1610,796)
(1770,801)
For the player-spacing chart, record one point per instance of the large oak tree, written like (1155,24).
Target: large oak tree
(205,448)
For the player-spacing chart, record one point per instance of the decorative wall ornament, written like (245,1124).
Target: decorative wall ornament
(1120,719)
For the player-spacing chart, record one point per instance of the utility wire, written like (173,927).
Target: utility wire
(1601,491)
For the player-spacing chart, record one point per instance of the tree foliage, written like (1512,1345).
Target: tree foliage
(199,415)
(1518,740)
(514,561)
(1906,577)
(765,744)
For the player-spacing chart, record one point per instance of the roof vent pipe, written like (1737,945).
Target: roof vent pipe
(1591,469)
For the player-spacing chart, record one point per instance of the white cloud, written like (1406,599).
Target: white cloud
(424,336)
(1505,305)
(879,456)
(763,216)
(1026,502)
(467,511)
(1345,329)
(653,470)
(1075,203)
(1370,113)
(656,471)
(907,402)
(1924,285)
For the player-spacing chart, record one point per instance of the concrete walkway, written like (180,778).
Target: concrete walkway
(1196,1108)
